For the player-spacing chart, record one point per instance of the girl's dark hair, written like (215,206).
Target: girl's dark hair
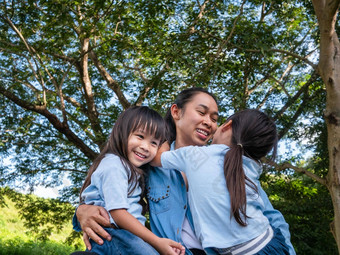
(134,118)
(253,135)
(184,97)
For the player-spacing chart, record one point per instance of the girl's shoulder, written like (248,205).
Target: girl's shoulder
(108,162)
(110,158)
(252,165)
(217,147)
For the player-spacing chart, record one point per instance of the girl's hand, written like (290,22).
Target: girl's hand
(169,247)
(91,219)
(157,159)
(179,251)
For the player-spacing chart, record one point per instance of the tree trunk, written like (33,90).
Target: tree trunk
(329,69)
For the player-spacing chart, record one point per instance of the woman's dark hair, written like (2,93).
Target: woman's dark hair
(184,97)
(134,118)
(254,135)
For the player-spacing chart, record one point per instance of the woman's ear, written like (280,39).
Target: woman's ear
(226,125)
(175,112)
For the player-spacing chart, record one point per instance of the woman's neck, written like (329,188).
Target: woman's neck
(179,144)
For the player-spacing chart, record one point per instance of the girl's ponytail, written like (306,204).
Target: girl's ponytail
(254,135)
(236,183)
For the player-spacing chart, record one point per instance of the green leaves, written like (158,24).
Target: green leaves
(60,97)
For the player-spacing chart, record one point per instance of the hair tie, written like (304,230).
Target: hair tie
(240,144)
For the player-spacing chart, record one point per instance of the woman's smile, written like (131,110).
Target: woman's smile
(203,134)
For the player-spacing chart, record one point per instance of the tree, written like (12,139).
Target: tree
(68,68)
(329,70)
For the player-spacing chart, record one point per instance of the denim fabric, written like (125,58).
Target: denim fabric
(276,246)
(123,243)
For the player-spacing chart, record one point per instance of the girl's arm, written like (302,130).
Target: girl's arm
(163,245)
(156,162)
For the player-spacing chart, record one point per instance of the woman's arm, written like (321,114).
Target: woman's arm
(163,245)
(276,219)
(91,219)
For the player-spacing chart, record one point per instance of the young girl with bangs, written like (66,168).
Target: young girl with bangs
(223,184)
(115,181)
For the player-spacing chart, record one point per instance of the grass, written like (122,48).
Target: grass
(16,239)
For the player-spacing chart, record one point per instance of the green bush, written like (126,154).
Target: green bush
(18,246)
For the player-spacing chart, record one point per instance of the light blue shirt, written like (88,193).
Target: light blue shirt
(209,197)
(109,188)
(168,206)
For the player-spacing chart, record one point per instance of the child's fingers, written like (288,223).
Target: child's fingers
(182,252)
(176,245)
(176,250)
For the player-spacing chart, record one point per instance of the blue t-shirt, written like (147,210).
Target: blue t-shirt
(109,188)
(209,197)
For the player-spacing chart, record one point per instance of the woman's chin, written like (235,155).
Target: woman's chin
(200,142)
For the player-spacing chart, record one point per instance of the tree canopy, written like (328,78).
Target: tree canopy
(68,68)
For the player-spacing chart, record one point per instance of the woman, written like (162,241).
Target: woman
(192,120)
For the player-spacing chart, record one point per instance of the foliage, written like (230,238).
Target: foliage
(68,68)
(18,247)
(307,208)
(32,221)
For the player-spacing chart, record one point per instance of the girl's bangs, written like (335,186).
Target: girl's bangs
(152,126)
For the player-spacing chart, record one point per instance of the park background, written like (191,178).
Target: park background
(68,68)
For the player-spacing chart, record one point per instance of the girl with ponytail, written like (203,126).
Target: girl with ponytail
(223,184)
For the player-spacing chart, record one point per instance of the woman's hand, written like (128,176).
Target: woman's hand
(169,247)
(91,219)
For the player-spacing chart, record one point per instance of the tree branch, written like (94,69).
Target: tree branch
(202,7)
(30,50)
(151,84)
(53,119)
(303,89)
(304,59)
(87,86)
(111,83)
(287,165)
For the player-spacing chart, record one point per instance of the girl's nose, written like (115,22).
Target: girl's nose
(145,146)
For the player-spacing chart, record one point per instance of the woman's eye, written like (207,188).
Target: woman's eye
(201,113)
(214,120)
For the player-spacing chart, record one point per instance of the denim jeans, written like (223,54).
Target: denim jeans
(123,243)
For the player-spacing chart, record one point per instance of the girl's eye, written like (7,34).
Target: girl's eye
(140,136)
(154,143)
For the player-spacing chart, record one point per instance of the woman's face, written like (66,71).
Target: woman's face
(197,122)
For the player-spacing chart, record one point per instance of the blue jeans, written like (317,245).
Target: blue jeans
(123,243)
(276,246)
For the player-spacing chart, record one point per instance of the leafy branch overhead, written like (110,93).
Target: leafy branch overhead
(68,68)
